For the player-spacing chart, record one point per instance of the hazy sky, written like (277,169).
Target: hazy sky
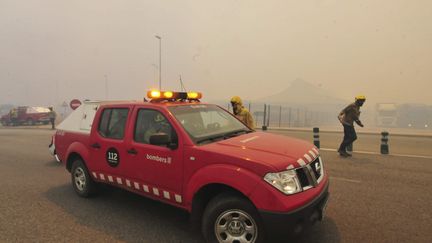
(52,50)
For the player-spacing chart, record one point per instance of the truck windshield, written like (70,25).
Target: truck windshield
(208,123)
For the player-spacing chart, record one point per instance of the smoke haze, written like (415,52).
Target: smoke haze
(52,51)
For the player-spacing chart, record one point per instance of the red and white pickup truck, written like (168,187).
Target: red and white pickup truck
(27,115)
(239,184)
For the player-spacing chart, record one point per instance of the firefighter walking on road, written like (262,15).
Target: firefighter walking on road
(242,113)
(13,114)
(52,117)
(347,117)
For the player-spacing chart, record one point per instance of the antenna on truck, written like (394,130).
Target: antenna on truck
(182,87)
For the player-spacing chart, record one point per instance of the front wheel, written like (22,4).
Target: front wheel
(82,183)
(230,218)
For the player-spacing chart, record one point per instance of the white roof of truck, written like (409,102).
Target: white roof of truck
(81,119)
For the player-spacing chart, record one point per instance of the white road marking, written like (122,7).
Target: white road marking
(315,150)
(166,195)
(110,178)
(94,174)
(102,176)
(119,181)
(375,153)
(128,183)
(344,179)
(328,149)
(365,152)
(412,156)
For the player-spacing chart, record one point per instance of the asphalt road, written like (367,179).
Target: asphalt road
(374,198)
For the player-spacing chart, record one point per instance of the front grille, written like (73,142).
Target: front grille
(311,174)
(301,174)
(316,167)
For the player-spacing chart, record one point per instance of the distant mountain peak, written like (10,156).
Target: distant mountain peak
(302,92)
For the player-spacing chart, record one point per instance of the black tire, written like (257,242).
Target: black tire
(230,205)
(82,182)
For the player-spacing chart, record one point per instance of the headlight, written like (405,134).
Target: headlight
(285,181)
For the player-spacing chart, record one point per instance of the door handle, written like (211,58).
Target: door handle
(132,151)
(96,146)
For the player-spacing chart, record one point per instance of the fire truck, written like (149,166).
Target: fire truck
(27,115)
(238,184)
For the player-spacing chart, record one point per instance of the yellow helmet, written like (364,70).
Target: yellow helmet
(360,97)
(236,100)
(158,118)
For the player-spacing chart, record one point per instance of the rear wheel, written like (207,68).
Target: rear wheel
(82,183)
(230,218)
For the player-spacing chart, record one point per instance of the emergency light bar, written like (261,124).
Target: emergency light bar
(156,94)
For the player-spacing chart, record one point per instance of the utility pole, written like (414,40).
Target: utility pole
(106,87)
(56,93)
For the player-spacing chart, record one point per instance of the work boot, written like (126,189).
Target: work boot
(343,153)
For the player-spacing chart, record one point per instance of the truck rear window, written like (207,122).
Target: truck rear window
(113,123)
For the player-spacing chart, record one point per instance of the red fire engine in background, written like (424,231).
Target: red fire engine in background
(26,115)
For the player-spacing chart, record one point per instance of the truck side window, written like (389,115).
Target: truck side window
(150,122)
(113,123)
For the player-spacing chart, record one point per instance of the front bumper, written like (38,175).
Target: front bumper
(52,151)
(294,222)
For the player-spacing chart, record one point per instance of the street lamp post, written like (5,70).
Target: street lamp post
(160,61)
(106,87)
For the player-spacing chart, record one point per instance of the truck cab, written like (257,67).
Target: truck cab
(239,185)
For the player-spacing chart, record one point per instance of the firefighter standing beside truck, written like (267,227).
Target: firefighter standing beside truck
(242,113)
(14,116)
(52,117)
(347,117)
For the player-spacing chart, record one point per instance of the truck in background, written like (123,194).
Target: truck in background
(27,115)
(415,116)
(386,115)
